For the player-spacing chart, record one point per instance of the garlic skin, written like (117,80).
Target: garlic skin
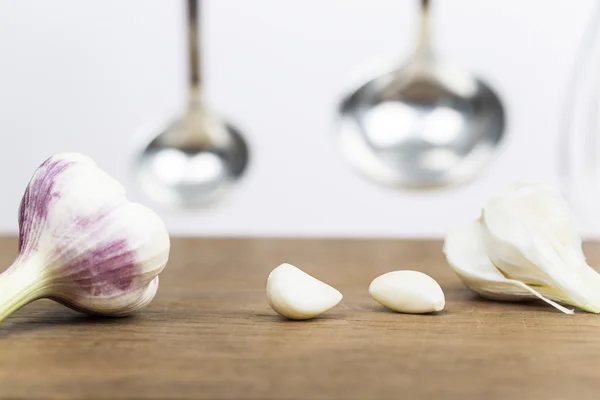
(467,257)
(83,243)
(407,291)
(294,294)
(524,246)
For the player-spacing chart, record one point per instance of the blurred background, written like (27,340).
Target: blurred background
(96,77)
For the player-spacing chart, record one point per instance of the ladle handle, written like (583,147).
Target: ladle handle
(193,51)
(424,49)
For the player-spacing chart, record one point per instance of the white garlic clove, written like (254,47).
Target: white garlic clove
(408,291)
(295,294)
(467,257)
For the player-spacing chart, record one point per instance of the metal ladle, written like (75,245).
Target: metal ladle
(197,158)
(423,125)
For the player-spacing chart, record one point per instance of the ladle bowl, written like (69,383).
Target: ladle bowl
(426,124)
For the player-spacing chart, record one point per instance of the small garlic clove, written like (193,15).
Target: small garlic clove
(297,295)
(410,292)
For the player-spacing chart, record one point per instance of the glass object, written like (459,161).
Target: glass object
(579,147)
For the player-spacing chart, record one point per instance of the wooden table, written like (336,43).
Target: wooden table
(211,334)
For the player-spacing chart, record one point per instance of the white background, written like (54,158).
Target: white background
(87,75)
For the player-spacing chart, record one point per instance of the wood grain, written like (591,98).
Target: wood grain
(210,334)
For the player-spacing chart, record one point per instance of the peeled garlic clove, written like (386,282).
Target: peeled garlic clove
(408,291)
(295,294)
(467,257)
(82,243)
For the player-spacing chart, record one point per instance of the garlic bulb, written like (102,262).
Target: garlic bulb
(411,292)
(83,244)
(524,246)
(294,294)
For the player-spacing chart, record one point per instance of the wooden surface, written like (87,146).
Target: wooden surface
(211,334)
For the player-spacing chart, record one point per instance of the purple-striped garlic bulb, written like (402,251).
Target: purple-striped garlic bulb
(83,244)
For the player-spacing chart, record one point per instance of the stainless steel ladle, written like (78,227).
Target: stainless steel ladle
(198,157)
(426,124)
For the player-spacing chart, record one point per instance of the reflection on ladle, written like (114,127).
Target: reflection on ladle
(426,124)
(198,157)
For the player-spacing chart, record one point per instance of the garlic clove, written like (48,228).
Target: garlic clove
(297,295)
(408,291)
(467,257)
(83,243)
